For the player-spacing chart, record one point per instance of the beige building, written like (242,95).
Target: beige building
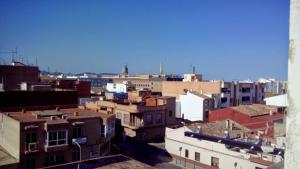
(226,94)
(177,88)
(143,82)
(141,121)
(49,137)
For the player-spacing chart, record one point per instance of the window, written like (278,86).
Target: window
(149,119)
(215,162)
(119,116)
(258,168)
(57,137)
(102,131)
(170,113)
(246,90)
(30,163)
(54,159)
(30,137)
(224,100)
(30,141)
(246,98)
(126,118)
(77,132)
(186,153)
(197,156)
(76,156)
(158,118)
(206,114)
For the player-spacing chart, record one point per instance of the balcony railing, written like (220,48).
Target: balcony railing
(136,124)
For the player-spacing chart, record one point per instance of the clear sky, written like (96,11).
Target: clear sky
(224,39)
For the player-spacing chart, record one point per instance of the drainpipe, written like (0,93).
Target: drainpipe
(292,158)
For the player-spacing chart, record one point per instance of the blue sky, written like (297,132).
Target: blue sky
(224,39)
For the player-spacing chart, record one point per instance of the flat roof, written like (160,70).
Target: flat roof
(255,109)
(5,158)
(218,128)
(44,115)
(112,162)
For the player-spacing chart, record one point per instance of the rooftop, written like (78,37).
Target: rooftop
(218,128)
(255,109)
(112,162)
(45,115)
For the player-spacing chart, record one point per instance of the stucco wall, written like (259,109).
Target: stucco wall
(10,135)
(192,107)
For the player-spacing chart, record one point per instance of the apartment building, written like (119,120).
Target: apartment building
(50,137)
(141,121)
(177,88)
(208,147)
(226,93)
(241,92)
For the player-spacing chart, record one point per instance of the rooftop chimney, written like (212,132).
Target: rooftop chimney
(76,113)
(57,109)
(23,111)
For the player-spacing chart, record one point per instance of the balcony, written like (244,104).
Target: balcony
(59,147)
(136,124)
(31,148)
(81,140)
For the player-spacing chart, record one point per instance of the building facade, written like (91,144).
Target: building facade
(11,76)
(193,149)
(195,106)
(50,137)
(141,122)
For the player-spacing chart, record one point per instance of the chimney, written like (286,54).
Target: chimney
(23,111)
(64,117)
(194,70)
(57,109)
(227,124)
(76,113)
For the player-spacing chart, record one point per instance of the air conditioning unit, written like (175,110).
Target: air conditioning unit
(32,147)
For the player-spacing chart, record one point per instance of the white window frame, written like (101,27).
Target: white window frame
(57,140)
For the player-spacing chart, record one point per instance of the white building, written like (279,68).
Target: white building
(274,86)
(195,106)
(195,150)
(118,87)
(280,100)
(192,78)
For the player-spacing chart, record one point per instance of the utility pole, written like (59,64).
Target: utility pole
(292,157)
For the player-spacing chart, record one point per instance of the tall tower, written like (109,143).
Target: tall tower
(161,69)
(194,70)
(125,70)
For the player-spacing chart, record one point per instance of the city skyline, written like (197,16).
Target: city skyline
(237,40)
